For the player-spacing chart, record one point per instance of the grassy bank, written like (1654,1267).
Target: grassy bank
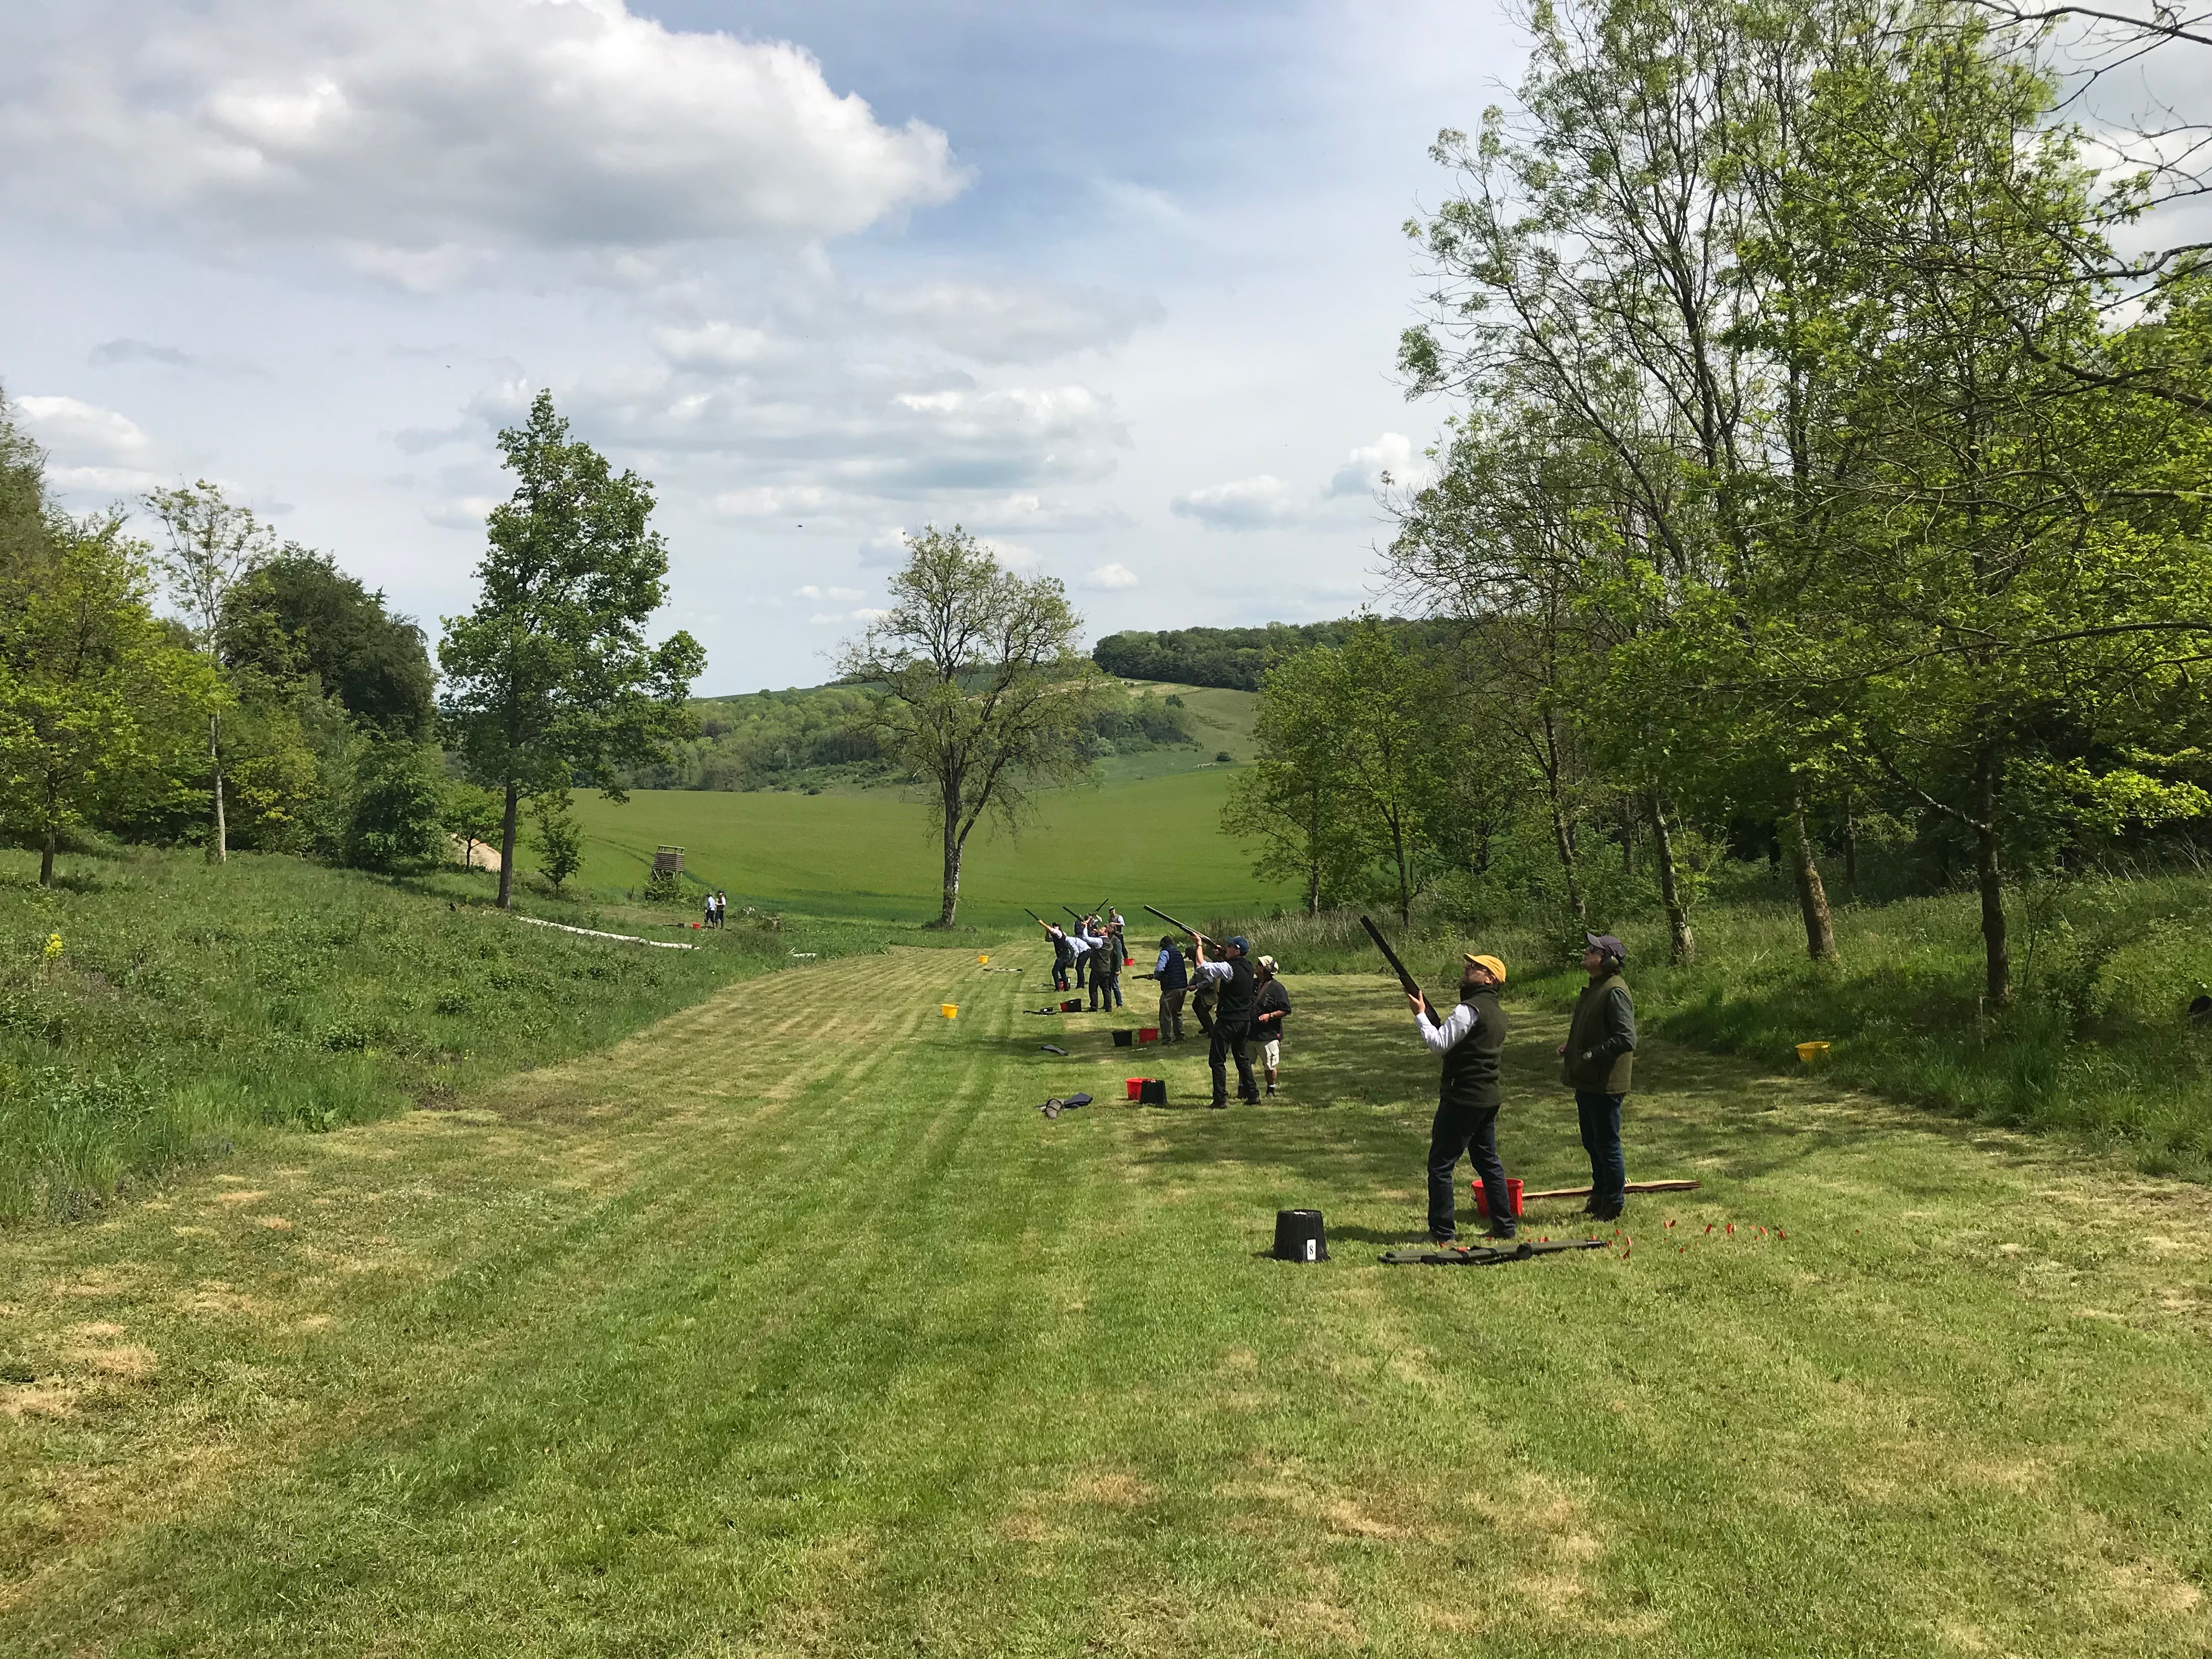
(2098,1043)
(655,1354)
(189,1004)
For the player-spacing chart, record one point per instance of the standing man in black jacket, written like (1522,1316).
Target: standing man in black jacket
(1596,1060)
(1472,1040)
(1235,996)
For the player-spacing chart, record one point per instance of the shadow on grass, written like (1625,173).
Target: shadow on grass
(1363,1093)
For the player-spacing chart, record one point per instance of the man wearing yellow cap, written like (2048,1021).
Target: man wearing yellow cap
(1472,1040)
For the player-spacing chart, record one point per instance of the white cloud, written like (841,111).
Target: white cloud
(885,550)
(833,594)
(412,138)
(714,347)
(1391,459)
(78,432)
(1246,504)
(1005,326)
(462,512)
(1110,576)
(766,502)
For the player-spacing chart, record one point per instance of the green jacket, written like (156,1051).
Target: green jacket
(1601,1038)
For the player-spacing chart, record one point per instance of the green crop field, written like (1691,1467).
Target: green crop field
(1152,841)
(789,1327)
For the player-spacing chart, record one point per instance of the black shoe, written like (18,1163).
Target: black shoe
(1501,1232)
(1606,1212)
(1218,1105)
(1271,1091)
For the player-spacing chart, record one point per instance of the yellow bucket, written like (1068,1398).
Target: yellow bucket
(1809,1052)
(949,1010)
(983,960)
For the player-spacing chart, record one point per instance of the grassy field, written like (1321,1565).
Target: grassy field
(190,1006)
(872,854)
(789,1327)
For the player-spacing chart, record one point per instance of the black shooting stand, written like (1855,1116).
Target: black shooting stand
(1486,1257)
(1299,1237)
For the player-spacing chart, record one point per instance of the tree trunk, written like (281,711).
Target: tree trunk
(1405,892)
(1563,838)
(1682,943)
(1996,946)
(1812,896)
(507,845)
(1851,847)
(951,865)
(220,851)
(1313,887)
(46,860)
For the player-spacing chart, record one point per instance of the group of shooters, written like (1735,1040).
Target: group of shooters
(1239,1001)
(1595,1062)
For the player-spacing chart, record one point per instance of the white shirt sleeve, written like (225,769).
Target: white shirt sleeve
(1443,1039)
(1212,971)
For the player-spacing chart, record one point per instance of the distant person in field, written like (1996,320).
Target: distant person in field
(1472,1040)
(1080,940)
(1235,994)
(1167,967)
(1271,1007)
(1594,1061)
(722,908)
(1112,953)
(708,921)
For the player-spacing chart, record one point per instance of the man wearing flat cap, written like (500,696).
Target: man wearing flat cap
(1472,1040)
(1595,1058)
(1235,997)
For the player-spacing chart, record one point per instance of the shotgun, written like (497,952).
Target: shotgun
(1413,986)
(1078,915)
(1033,915)
(1181,927)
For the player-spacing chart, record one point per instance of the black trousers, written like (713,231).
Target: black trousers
(1229,1040)
(1471,1130)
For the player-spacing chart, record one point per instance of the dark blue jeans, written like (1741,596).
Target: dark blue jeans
(1601,1121)
(1471,1130)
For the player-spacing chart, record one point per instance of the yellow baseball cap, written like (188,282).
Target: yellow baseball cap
(1495,964)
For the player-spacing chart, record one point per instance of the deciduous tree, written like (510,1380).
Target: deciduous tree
(550,680)
(983,693)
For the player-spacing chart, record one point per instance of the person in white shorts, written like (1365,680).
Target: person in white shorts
(1270,1009)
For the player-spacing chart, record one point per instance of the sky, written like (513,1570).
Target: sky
(1117,287)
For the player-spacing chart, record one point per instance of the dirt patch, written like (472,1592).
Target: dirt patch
(231,1199)
(52,1398)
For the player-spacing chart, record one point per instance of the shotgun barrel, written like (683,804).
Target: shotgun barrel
(1180,927)
(1412,986)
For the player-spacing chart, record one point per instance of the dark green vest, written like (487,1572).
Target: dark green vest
(1584,1032)
(1471,1064)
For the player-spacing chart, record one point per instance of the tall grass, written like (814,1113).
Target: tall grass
(189,1004)
(2097,1042)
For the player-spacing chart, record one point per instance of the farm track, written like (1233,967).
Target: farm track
(787,1328)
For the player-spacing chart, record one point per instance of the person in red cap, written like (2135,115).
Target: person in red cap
(1472,1040)
(1596,1060)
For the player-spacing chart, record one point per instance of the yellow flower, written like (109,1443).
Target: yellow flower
(53,946)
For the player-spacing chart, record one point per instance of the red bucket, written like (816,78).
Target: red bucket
(1148,1034)
(1512,1193)
(1136,1086)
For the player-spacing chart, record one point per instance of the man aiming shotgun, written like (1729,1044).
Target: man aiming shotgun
(1470,1041)
(1235,999)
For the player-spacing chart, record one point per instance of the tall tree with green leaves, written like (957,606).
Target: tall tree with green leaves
(550,680)
(983,692)
(97,699)
(1295,800)
(214,543)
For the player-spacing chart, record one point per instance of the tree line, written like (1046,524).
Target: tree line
(827,735)
(1235,659)
(1817,462)
(283,707)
